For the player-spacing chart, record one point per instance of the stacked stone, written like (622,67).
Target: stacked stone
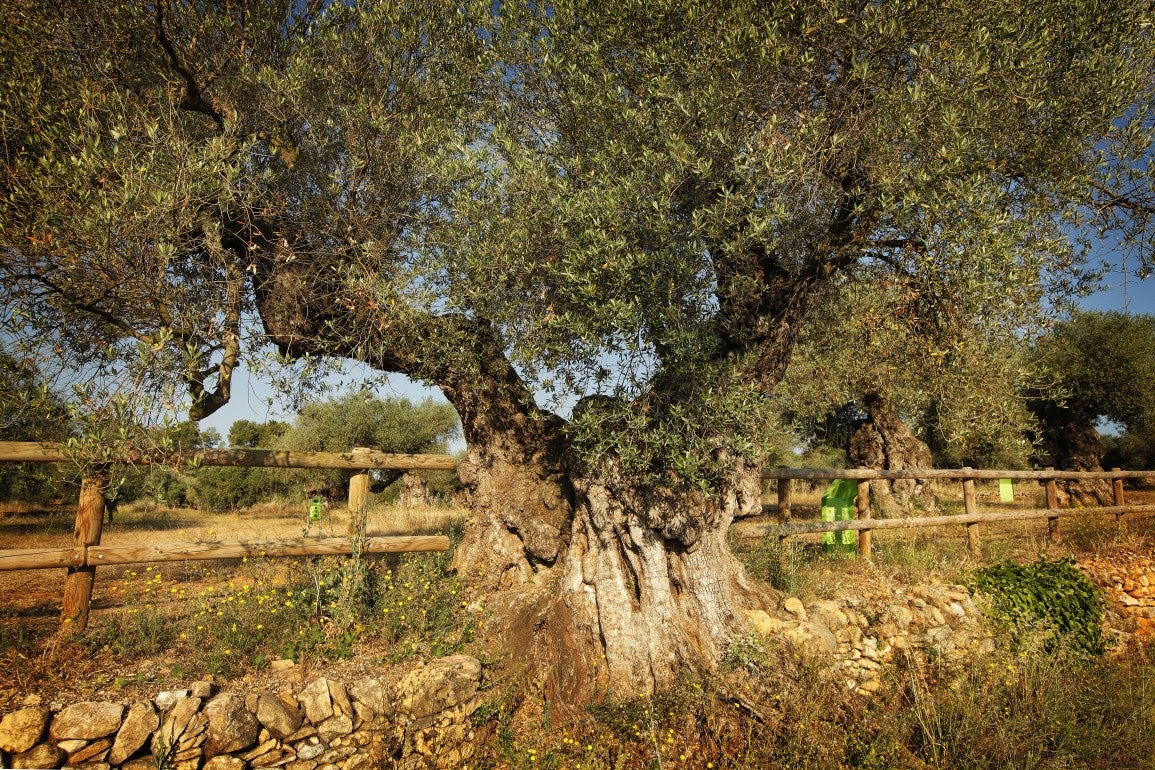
(421,720)
(853,639)
(1128,581)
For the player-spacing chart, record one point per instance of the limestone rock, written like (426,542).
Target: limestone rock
(334,727)
(201,690)
(306,731)
(140,763)
(299,764)
(167,699)
(183,728)
(94,751)
(270,759)
(87,719)
(764,623)
(140,722)
(811,641)
(281,719)
(41,757)
(316,702)
(340,697)
(21,730)
(360,762)
(311,749)
(224,762)
(794,606)
(260,751)
(231,727)
(72,745)
(441,685)
(372,693)
(828,613)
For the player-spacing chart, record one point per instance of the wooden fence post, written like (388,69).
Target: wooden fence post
(1117,498)
(78,583)
(358,501)
(783,501)
(358,494)
(862,511)
(1052,505)
(971,506)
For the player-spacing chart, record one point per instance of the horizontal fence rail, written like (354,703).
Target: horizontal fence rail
(106,555)
(859,525)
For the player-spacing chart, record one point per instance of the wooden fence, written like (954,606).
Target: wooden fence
(86,553)
(971,518)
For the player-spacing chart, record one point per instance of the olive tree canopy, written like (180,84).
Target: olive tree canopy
(630,208)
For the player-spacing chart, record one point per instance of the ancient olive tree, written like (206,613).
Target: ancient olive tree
(598,227)
(1098,366)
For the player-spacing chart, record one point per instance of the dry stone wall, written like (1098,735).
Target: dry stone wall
(1128,582)
(418,721)
(853,639)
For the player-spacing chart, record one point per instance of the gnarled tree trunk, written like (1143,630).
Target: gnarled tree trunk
(637,587)
(597,583)
(1071,443)
(883,442)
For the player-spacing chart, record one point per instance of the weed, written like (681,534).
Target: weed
(1036,709)
(1047,601)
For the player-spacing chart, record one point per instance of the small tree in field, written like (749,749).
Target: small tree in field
(360,419)
(599,228)
(251,435)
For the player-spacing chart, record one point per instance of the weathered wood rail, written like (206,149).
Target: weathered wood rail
(971,518)
(106,555)
(86,554)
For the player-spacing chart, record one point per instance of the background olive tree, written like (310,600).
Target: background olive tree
(1099,366)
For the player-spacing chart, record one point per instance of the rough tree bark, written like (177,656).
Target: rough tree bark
(883,442)
(1070,442)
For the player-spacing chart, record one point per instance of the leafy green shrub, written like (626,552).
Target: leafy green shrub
(1050,598)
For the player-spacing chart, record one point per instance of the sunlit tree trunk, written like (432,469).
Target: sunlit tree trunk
(883,442)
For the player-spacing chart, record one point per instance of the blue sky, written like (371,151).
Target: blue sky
(1124,293)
